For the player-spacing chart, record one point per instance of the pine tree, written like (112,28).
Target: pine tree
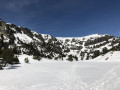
(104,50)
(8,56)
(70,58)
(96,53)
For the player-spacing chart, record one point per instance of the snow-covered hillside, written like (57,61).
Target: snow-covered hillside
(19,40)
(86,47)
(113,56)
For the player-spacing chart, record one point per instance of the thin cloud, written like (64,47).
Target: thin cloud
(16,5)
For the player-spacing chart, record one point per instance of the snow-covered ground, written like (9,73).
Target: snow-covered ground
(62,75)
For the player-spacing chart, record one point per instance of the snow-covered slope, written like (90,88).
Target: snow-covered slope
(93,36)
(24,41)
(113,56)
(86,47)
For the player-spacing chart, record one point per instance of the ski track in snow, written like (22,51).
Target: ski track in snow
(65,78)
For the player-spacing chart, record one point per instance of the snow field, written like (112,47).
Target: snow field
(98,74)
(46,75)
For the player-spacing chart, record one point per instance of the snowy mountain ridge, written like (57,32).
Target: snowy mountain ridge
(24,41)
(89,36)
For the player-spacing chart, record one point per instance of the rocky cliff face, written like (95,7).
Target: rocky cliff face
(24,41)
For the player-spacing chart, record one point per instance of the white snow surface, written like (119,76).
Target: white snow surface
(97,74)
(23,37)
(86,37)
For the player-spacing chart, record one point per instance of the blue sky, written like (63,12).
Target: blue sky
(64,18)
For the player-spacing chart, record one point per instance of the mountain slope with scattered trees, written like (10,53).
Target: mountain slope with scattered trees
(15,41)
